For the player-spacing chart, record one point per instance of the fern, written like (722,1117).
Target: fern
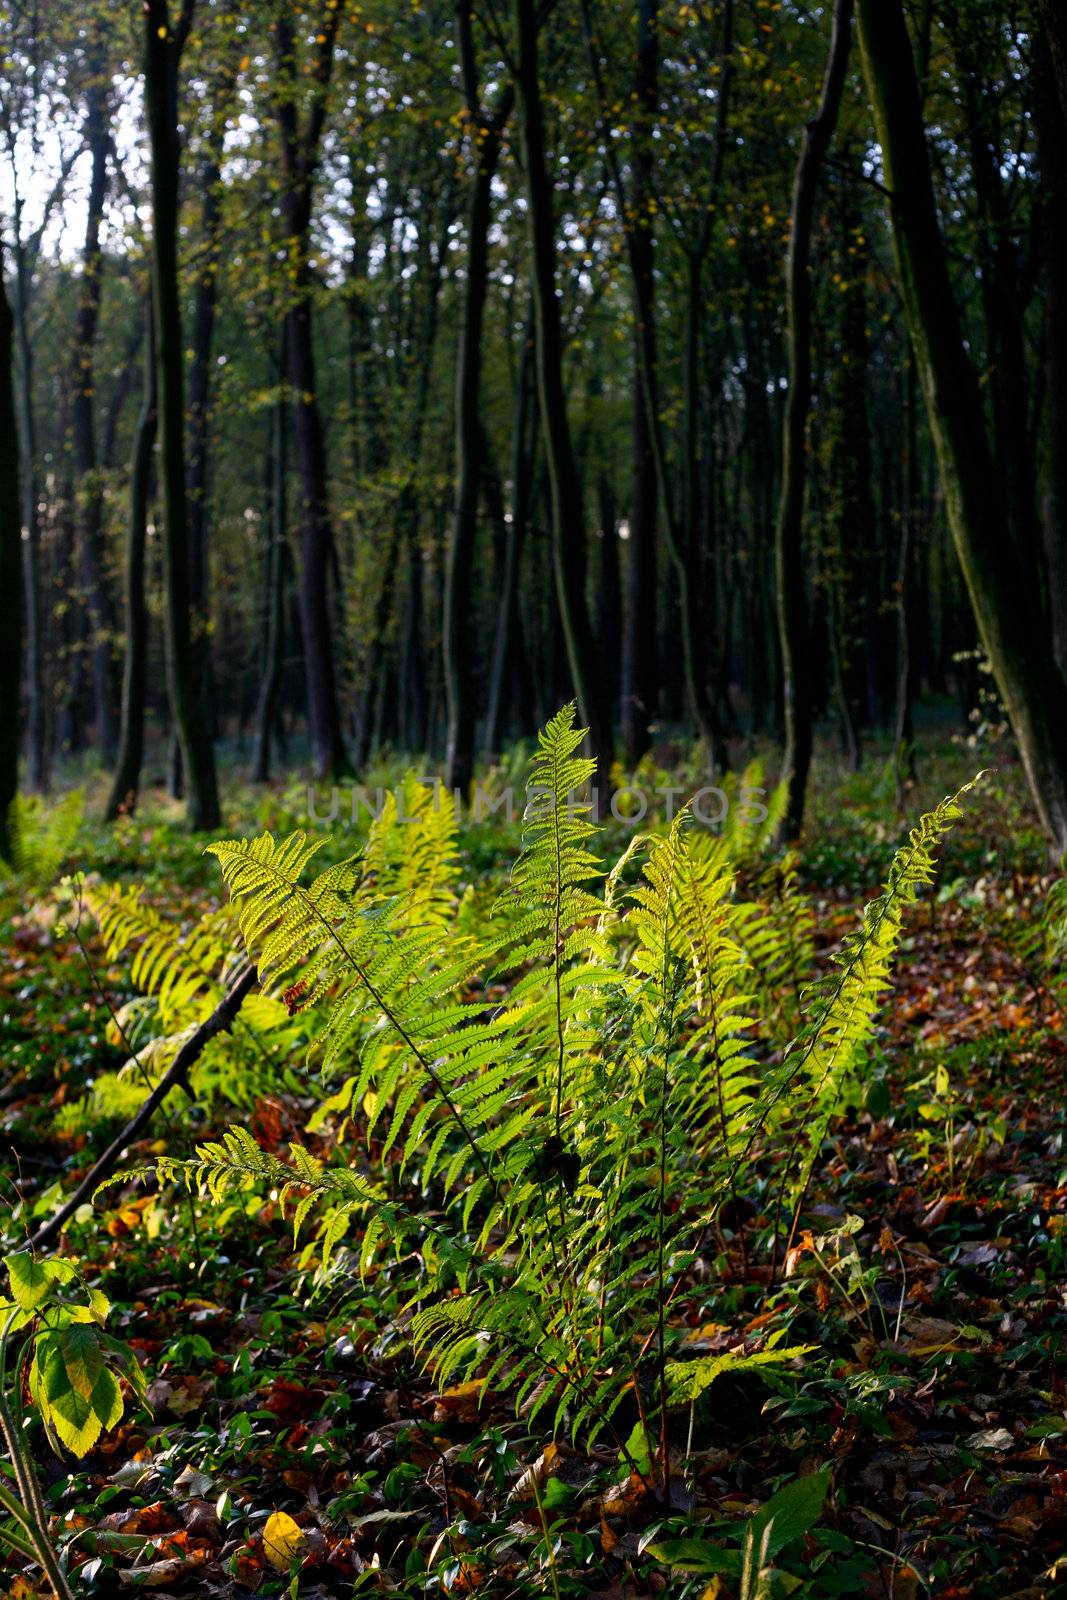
(180,970)
(426,1056)
(842,1007)
(43,836)
(578,1140)
(411,852)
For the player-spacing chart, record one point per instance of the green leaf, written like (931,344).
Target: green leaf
(693,1555)
(638,1454)
(687,1380)
(73,1386)
(789,1513)
(30,1281)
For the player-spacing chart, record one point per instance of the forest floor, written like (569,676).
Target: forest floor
(931,1284)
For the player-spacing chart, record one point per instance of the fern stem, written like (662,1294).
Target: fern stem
(557,953)
(387,1010)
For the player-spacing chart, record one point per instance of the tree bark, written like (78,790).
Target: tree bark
(508,645)
(32,576)
(1051,119)
(300,148)
(789,531)
(88,486)
(266,706)
(127,780)
(162,53)
(205,303)
(10,578)
(639,677)
(568,521)
(1030,684)
(486,133)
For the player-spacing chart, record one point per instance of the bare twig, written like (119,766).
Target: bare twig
(220,1021)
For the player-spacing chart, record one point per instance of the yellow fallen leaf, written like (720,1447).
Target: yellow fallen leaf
(283,1540)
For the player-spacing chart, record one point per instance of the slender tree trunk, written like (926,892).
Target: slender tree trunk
(205,303)
(37,697)
(1030,684)
(300,156)
(507,643)
(266,707)
(486,132)
(10,578)
(88,486)
(568,521)
(855,594)
(120,393)
(694,653)
(906,668)
(162,51)
(127,781)
(1051,117)
(639,677)
(609,578)
(793,630)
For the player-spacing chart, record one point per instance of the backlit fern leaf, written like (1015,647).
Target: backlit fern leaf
(180,969)
(842,1007)
(411,852)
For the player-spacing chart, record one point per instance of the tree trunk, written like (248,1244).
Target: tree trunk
(10,578)
(1051,118)
(300,155)
(793,632)
(639,677)
(37,697)
(205,302)
(88,486)
(855,594)
(127,781)
(1030,684)
(568,521)
(507,643)
(486,132)
(266,706)
(162,50)
(609,578)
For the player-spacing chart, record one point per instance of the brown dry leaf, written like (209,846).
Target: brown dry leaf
(170,1570)
(925,1335)
(535,1475)
(460,1403)
(619,1500)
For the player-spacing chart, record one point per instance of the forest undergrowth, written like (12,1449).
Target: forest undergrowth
(641,1246)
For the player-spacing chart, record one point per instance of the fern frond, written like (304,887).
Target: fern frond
(42,835)
(842,1007)
(180,968)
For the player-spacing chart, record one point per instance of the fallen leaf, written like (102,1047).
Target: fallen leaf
(283,1540)
(990,1439)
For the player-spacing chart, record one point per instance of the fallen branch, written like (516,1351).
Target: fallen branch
(220,1021)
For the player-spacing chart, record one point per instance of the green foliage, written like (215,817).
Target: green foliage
(43,835)
(179,968)
(73,1367)
(183,971)
(561,1111)
(841,1008)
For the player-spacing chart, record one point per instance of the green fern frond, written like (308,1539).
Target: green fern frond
(842,1007)
(43,834)
(411,852)
(180,968)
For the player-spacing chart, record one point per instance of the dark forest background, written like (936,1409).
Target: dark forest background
(382,375)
